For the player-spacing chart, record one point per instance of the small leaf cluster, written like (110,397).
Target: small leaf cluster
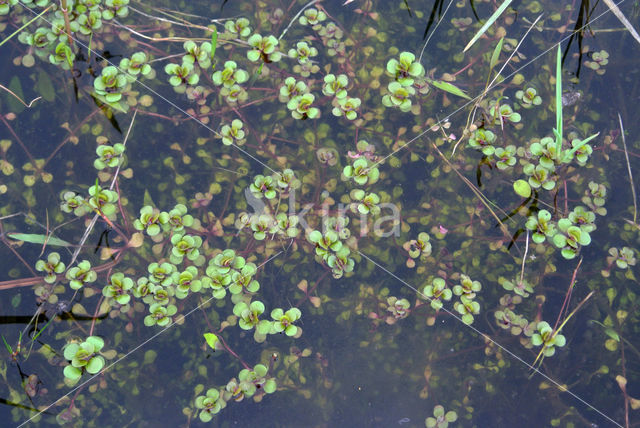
(103,200)
(594,198)
(154,221)
(250,383)
(406,73)
(108,156)
(80,275)
(623,257)
(51,267)
(265,48)
(528,97)
(362,171)
(84,357)
(417,248)
(332,251)
(440,419)
(548,338)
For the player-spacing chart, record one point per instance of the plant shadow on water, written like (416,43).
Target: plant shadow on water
(294,213)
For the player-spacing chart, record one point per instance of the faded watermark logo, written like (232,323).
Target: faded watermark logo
(381,222)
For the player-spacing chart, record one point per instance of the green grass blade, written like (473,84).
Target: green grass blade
(448,87)
(496,54)
(9,348)
(214,44)
(488,24)
(34,238)
(42,329)
(558,130)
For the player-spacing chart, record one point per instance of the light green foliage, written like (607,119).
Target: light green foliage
(51,267)
(197,54)
(115,8)
(598,61)
(505,157)
(211,404)
(118,288)
(301,107)
(335,86)
(108,156)
(529,97)
(346,107)
(249,314)
(549,339)
(103,200)
(436,292)
(284,321)
(520,287)
(483,140)
(84,356)
(399,96)
(136,65)
(239,28)
(569,238)
(623,257)
(303,52)
(263,186)
(160,315)
(181,75)
(73,202)
(312,17)
(503,113)
(230,75)
(80,275)
(185,245)
(151,220)
(366,203)
(541,226)
(362,171)
(110,84)
(265,48)
(404,70)
(233,134)
(440,419)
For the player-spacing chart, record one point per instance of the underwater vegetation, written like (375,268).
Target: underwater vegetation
(324,213)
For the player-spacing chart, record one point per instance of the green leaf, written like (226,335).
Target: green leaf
(45,87)
(72,373)
(35,238)
(214,44)
(522,188)
(212,340)
(16,87)
(608,331)
(568,153)
(558,130)
(496,54)
(487,24)
(448,87)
